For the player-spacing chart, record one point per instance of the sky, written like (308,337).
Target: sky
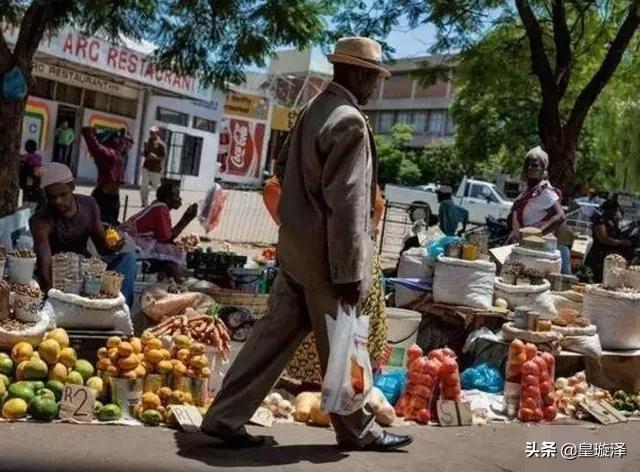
(412,43)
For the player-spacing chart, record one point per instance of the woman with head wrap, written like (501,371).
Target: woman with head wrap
(539,205)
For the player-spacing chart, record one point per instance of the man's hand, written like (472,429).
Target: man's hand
(191,212)
(348,294)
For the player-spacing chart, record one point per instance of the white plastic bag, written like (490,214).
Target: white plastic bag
(464,283)
(536,297)
(348,379)
(414,263)
(73,311)
(545,262)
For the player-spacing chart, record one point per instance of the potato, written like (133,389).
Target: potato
(303,404)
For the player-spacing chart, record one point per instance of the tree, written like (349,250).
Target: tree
(557,45)
(497,101)
(216,40)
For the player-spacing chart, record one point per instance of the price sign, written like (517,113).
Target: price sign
(603,412)
(451,413)
(188,417)
(77,403)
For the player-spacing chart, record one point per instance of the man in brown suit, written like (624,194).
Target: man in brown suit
(328,172)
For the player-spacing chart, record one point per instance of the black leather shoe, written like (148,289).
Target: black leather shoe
(386,442)
(237,441)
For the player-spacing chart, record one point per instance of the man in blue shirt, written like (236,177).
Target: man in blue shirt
(450,214)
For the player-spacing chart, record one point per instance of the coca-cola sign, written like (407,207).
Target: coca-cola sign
(244,154)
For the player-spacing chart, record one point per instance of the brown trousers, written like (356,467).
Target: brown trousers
(294,311)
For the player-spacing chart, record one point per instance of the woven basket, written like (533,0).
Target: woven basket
(256,303)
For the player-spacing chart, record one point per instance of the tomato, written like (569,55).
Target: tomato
(530,350)
(541,363)
(414,377)
(426,380)
(418,365)
(436,354)
(416,402)
(448,367)
(423,416)
(528,402)
(525,414)
(516,347)
(422,391)
(449,352)
(414,352)
(530,367)
(550,360)
(519,359)
(537,414)
(549,399)
(546,387)
(529,380)
(451,393)
(531,391)
(358,385)
(400,411)
(549,413)
(432,368)
(451,380)
(513,370)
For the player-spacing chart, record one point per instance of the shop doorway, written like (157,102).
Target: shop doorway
(66,138)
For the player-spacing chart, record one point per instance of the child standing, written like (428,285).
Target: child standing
(30,164)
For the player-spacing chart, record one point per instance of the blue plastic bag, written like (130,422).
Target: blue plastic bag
(436,248)
(483,377)
(391,384)
(14,85)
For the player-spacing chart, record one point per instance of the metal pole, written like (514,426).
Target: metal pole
(126,205)
(384,225)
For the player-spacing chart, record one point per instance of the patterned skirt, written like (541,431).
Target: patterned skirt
(305,364)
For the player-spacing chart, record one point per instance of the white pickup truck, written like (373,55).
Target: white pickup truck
(481,198)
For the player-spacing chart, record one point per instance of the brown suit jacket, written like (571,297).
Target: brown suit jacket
(327,167)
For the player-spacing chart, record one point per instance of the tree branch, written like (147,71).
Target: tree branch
(562,39)
(5,54)
(34,24)
(539,59)
(606,70)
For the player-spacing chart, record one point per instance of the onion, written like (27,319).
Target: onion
(582,387)
(573,380)
(599,395)
(568,391)
(579,398)
(570,410)
(561,382)
(581,376)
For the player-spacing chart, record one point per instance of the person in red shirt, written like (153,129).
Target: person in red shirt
(110,157)
(152,232)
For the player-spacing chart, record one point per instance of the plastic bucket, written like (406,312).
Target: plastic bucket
(126,393)
(403,333)
(245,280)
(21,269)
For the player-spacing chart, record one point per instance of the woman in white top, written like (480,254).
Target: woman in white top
(539,205)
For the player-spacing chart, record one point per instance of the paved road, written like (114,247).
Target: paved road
(58,447)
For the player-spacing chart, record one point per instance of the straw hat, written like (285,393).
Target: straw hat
(363,52)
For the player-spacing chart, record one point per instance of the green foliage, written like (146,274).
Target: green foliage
(399,164)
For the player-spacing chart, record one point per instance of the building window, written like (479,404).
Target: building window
(172,117)
(385,121)
(436,122)
(183,154)
(451,126)
(123,106)
(404,117)
(68,94)
(204,124)
(419,121)
(96,100)
(43,88)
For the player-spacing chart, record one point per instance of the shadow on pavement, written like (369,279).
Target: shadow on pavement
(197,446)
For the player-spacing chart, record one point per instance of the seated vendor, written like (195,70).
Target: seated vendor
(66,222)
(152,232)
(608,238)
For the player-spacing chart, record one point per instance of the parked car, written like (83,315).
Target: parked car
(481,198)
